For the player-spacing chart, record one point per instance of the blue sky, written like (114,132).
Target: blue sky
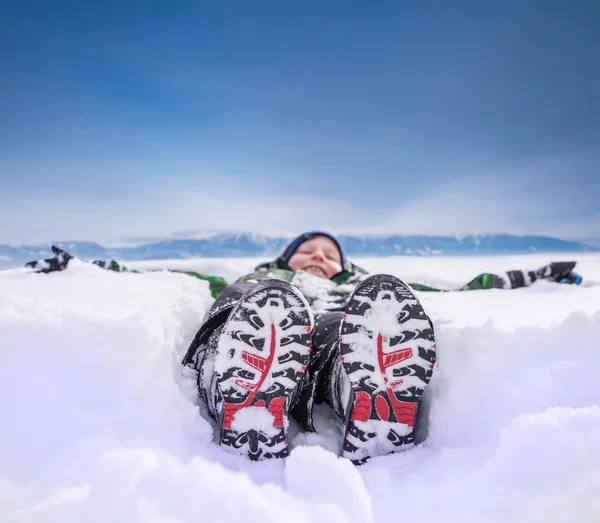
(146,118)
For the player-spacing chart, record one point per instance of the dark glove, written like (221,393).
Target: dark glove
(58,262)
(561,272)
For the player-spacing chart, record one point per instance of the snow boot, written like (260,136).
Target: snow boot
(260,362)
(387,351)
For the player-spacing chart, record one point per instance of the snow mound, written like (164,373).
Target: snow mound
(99,422)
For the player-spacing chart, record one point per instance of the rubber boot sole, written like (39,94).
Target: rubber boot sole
(261,360)
(388,354)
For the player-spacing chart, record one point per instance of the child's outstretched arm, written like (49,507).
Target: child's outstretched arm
(61,258)
(560,272)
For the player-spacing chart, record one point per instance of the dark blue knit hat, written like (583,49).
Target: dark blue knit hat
(294,244)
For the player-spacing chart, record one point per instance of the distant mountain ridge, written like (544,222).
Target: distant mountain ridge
(250,244)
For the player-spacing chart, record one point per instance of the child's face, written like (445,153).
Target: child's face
(319,256)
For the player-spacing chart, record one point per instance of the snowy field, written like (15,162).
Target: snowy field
(98,422)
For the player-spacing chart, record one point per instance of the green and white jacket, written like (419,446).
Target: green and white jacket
(322,294)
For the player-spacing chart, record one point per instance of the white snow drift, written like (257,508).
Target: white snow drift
(98,421)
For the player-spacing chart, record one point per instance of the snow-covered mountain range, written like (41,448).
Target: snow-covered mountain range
(250,244)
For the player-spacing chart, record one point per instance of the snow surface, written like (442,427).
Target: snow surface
(98,421)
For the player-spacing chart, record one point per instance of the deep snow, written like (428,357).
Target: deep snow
(98,421)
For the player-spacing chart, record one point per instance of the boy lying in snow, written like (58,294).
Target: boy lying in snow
(561,272)
(311,327)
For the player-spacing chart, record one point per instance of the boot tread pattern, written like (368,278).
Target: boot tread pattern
(388,355)
(261,360)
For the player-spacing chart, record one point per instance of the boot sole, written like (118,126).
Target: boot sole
(388,354)
(261,359)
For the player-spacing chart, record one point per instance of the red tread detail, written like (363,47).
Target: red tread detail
(257,362)
(276,409)
(229,412)
(361,410)
(245,385)
(391,358)
(382,408)
(230,409)
(404,410)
